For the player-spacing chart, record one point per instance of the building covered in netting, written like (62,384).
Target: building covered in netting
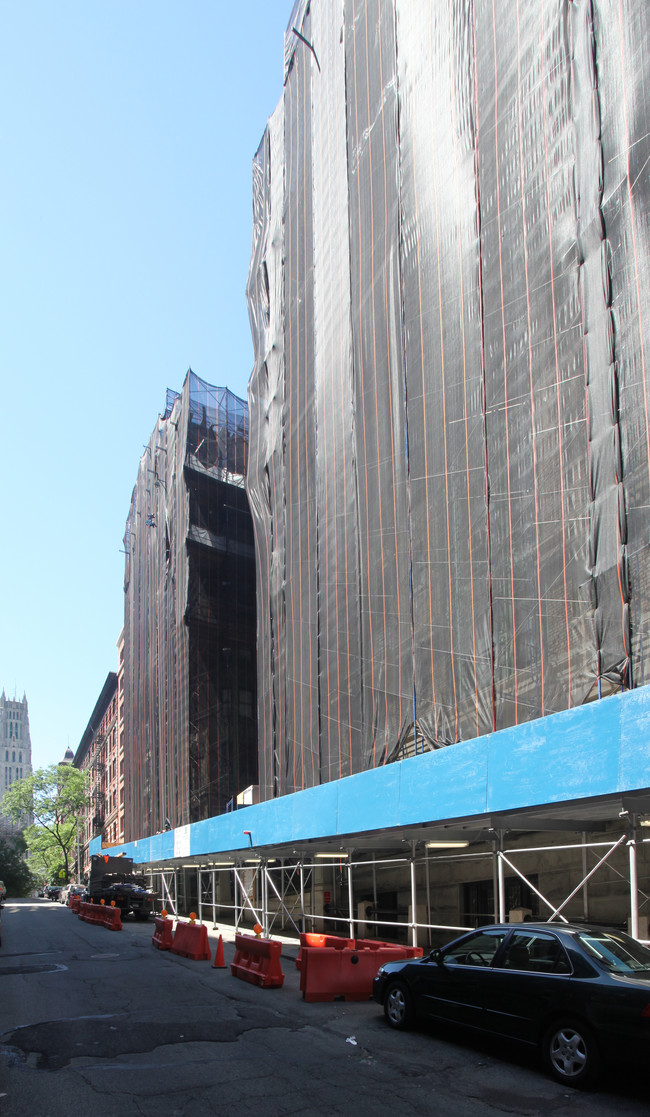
(189,620)
(450,435)
(449,475)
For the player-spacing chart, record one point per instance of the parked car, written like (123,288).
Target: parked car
(70,891)
(52,891)
(580,994)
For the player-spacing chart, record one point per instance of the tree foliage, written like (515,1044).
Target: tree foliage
(50,805)
(14,870)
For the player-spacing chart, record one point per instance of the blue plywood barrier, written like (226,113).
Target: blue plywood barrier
(599,749)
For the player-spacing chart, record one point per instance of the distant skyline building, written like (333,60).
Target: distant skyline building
(16,750)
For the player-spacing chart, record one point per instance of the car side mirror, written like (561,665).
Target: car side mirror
(435,956)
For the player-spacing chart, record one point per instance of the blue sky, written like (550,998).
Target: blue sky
(128,129)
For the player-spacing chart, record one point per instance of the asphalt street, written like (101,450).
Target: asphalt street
(101,1023)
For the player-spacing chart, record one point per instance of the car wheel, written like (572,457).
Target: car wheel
(398,1005)
(570,1053)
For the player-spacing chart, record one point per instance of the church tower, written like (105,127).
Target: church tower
(15,749)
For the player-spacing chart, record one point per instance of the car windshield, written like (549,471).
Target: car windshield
(618,953)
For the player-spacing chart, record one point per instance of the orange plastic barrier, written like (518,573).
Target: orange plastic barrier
(328,974)
(102,915)
(310,938)
(376,944)
(163,935)
(112,918)
(74,904)
(257,961)
(90,913)
(191,940)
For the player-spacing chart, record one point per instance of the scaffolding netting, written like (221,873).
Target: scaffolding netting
(450,429)
(190,629)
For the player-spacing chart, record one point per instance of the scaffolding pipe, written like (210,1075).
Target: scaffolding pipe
(414,896)
(282,903)
(428,883)
(282,894)
(585,884)
(350,895)
(495,880)
(536,890)
(245,896)
(237,899)
(265,900)
(502,882)
(309,900)
(164,888)
(634,884)
(594,870)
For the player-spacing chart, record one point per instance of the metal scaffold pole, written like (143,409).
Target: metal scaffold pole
(414,899)
(634,882)
(350,895)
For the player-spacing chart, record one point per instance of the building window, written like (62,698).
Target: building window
(478,899)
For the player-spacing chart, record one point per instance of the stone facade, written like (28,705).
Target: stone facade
(15,749)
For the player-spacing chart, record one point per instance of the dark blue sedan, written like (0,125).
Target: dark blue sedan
(580,994)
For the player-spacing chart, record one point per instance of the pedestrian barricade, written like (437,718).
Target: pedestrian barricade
(110,917)
(257,961)
(74,902)
(90,913)
(328,974)
(163,935)
(376,944)
(191,941)
(310,938)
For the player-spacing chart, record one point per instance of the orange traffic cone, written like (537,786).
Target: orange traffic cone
(219,961)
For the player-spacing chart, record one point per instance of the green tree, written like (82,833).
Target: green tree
(45,860)
(50,805)
(14,870)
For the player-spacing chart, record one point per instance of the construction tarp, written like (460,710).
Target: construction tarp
(450,424)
